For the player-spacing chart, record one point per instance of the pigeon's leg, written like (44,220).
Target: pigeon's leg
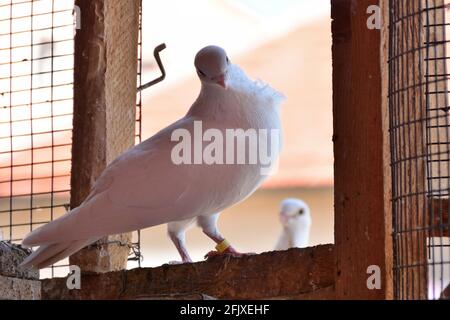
(209,227)
(177,233)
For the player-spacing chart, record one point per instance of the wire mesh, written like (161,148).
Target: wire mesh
(136,255)
(36,104)
(420,154)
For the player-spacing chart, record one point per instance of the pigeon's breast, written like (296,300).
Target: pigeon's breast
(246,154)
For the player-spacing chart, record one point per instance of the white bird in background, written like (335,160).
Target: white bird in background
(295,218)
(144,187)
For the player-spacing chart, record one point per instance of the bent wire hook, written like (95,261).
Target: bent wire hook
(156,52)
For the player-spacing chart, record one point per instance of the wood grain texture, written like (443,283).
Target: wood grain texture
(362,218)
(293,274)
(104,109)
(388,282)
(409,147)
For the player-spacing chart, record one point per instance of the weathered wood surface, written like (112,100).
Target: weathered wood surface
(19,289)
(104,109)
(15,282)
(409,160)
(11,256)
(361,152)
(294,274)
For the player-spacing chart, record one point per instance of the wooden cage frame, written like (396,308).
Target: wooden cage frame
(363,210)
(362,192)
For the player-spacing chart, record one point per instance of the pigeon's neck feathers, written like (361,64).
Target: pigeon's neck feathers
(243,98)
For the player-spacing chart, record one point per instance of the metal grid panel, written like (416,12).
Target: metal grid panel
(36,104)
(420,147)
(36,85)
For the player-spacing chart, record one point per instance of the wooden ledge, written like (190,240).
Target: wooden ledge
(293,274)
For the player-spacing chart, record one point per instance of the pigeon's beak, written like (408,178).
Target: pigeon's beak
(221,81)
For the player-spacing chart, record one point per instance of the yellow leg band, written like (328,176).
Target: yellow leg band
(224,245)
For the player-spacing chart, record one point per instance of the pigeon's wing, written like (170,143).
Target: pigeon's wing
(141,188)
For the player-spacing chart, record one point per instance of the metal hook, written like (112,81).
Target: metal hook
(156,52)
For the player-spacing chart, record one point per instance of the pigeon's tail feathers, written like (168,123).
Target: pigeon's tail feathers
(36,237)
(49,254)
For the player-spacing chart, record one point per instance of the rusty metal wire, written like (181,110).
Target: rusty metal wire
(420,147)
(136,244)
(36,104)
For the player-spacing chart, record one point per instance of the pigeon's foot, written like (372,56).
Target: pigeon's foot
(230,251)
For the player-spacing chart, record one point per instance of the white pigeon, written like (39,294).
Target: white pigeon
(144,187)
(295,218)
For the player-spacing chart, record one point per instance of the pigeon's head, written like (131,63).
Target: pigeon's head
(211,64)
(294,213)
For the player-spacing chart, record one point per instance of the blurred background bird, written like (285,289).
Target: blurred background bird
(295,218)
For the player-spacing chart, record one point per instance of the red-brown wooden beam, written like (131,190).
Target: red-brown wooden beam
(361,152)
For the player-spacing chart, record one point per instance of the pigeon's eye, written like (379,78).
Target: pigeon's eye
(201,72)
(301,211)
(228,60)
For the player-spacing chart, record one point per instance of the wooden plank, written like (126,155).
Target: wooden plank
(408,134)
(104,109)
(362,217)
(293,274)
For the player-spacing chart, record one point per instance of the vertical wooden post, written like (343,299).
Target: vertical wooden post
(361,151)
(388,256)
(104,110)
(409,119)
